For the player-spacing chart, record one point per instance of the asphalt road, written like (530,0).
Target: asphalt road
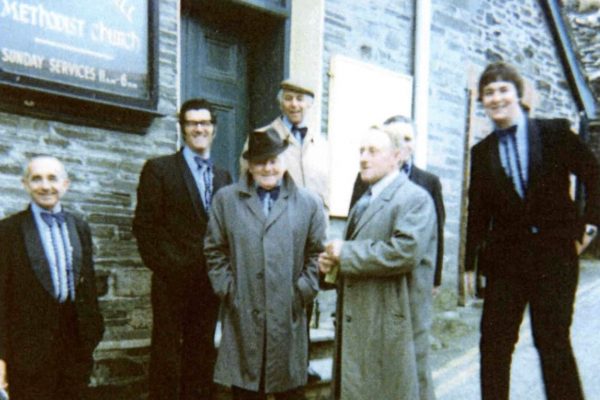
(456,371)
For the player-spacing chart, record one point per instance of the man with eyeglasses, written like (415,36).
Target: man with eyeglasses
(174,196)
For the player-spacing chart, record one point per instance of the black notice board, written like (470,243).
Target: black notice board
(90,51)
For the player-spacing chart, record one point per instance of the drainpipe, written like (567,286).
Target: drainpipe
(421,53)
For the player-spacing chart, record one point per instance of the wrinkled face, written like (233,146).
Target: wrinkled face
(294,105)
(267,173)
(377,156)
(199,131)
(46,182)
(500,100)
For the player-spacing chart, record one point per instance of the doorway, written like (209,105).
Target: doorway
(234,56)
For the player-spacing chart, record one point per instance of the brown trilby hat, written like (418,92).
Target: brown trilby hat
(264,144)
(296,86)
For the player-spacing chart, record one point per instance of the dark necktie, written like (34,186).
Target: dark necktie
(359,209)
(508,143)
(299,132)
(267,198)
(205,166)
(49,218)
(405,168)
(64,270)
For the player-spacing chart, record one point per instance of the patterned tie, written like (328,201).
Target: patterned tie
(508,142)
(64,269)
(267,198)
(359,209)
(205,166)
(299,132)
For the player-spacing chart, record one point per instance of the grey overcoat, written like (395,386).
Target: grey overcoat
(386,266)
(264,269)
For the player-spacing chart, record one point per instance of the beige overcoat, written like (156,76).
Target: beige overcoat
(307,162)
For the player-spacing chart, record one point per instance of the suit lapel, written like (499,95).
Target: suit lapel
(281,204)
(191,186)
(504,183)
(75,247)
(535,156)
(35,252)
(376,205)
(252,200)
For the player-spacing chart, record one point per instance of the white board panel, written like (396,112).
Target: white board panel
(360,95)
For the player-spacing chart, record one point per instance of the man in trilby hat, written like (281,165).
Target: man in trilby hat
(262,245)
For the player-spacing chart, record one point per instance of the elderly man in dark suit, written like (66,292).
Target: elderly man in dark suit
(523,216)
(174,197)
(426,180)
(50,322)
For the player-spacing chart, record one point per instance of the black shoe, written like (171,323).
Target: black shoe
(313,376)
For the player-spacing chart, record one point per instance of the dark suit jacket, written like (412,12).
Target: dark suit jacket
(170,220)
(499,218)
(29,313)
(432,184)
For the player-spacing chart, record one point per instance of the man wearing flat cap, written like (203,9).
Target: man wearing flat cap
(262,245)
(307,157)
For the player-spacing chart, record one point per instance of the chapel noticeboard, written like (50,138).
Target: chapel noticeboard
(94,51)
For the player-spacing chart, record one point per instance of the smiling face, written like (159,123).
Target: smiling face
(378,157)
(501,102)
(199,130)
(46,181)
(268,172)
(294,105)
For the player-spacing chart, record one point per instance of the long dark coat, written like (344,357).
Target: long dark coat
(264,269)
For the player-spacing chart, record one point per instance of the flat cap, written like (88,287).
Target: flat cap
(296,86)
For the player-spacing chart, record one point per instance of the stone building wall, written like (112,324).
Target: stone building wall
(104,167)
(465,36)
(583,17)
(105,164)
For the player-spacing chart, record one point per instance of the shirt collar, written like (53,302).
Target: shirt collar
(189,155)
(384,182)
(37,209)
(288,124)
(520,122)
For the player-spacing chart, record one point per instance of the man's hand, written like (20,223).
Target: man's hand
(329,260)
(3,379)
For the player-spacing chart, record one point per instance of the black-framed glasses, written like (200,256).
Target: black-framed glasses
(203,124)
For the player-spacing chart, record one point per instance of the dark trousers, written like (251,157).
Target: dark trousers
(243,394)
(545,278)
(182,355)
(67,373)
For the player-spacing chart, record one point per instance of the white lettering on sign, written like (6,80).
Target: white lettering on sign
(23,58)
(39,16)
(125,8)
(62,67)
(114,37)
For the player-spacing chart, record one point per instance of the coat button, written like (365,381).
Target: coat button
(348,318)
(260,275)
(255,313)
